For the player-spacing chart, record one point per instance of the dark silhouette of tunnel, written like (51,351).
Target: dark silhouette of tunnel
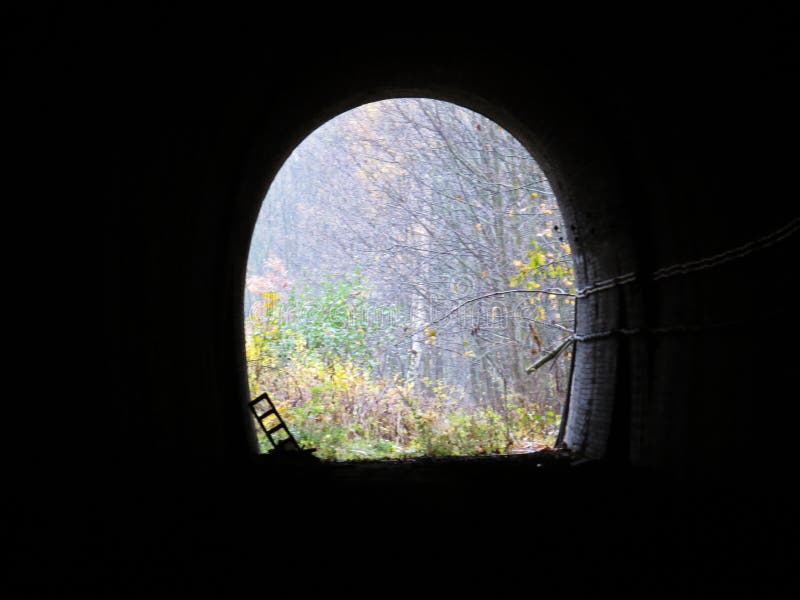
(663,157)
(655,168)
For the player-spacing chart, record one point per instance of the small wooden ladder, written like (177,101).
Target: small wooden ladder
(288,443)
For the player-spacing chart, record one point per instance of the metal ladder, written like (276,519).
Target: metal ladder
(286,444)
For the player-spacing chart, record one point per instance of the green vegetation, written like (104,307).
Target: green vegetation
(311,356)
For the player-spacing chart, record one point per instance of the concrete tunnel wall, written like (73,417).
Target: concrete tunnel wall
(652,167)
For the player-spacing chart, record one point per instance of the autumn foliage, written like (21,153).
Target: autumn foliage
(409,264)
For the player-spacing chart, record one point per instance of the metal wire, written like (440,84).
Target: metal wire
(696,265)
(729,255)
(682,269)
(598,335)
(606,284)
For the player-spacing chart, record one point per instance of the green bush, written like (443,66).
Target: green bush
(318,373)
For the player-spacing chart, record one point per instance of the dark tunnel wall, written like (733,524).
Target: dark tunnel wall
(658,157)
(664,146)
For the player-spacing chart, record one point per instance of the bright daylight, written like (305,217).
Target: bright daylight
(410,289)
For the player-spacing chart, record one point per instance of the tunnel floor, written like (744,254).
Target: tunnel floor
(443,469)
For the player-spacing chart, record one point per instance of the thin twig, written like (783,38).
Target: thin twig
(551,355)
(484,296)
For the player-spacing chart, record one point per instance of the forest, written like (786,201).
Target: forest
(410,288)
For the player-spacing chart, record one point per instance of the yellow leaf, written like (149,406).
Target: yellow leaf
(534,195)
(478,226)
(270,299)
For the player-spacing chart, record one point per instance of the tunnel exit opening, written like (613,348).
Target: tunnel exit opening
(410,289)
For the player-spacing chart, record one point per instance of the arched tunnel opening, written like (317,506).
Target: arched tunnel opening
(588,183)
